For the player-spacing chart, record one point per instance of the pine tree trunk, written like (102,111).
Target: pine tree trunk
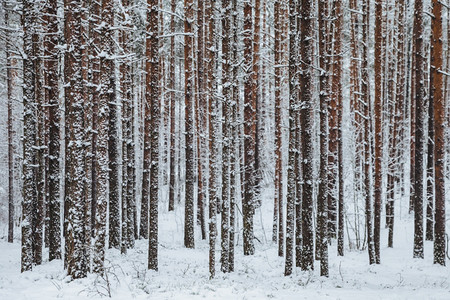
(307,16)
(113,155)
(293,127)
(278,200)
(226,132)
(75,202)
(209,15)
(378,129)
(172,109)
(437,91)
(10,77)
(29,133)
(189,123)
(419,98)
(322,200)
(248,202)
(102,116)
(367,130)
(38,205)
(202,119)
(152,98)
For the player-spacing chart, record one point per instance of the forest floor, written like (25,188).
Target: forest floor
(183,273)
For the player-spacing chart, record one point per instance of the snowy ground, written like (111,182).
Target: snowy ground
(183,274)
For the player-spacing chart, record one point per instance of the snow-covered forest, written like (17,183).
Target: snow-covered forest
(231,149)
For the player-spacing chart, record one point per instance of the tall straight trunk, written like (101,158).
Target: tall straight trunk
(209,15)
(306,42)
(113,155)
(189,123)
(437,93)
(102,115)
(234,135)
(50,44)
(365,91)
(337,82)
(257,101)
(333,140)
(94,62)
(378,130)
(429,224)
(29,133)
(87,142)
(298,157)
(202,120)
(10,77)
(419,98)
(278,200)
(293,128)
(75,202)
(38,206)
(322,201)
(173,5)
(128,141)
(226,132)
(248,203)
(400,93)
(152,99)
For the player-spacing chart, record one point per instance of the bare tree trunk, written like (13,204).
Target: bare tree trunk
(365,90)
(152,99)
(437,91)
(226,132)
(75,202)
(322,201)
(248,203)
(378,130)
(419,99)
(278,200)
(202,120)
(29,133)
(307,15)
(172,108)
(189,123)
(293,128)
(102,115)
(209,15)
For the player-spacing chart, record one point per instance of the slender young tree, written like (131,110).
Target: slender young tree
(365,91)
(10,77)
(173,5)
(437,93)
(419,99)
(189,122)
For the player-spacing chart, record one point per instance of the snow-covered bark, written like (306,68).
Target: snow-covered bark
(152,99)
(189,122)
(29,134)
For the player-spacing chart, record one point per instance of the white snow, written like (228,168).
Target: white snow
(183,273)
